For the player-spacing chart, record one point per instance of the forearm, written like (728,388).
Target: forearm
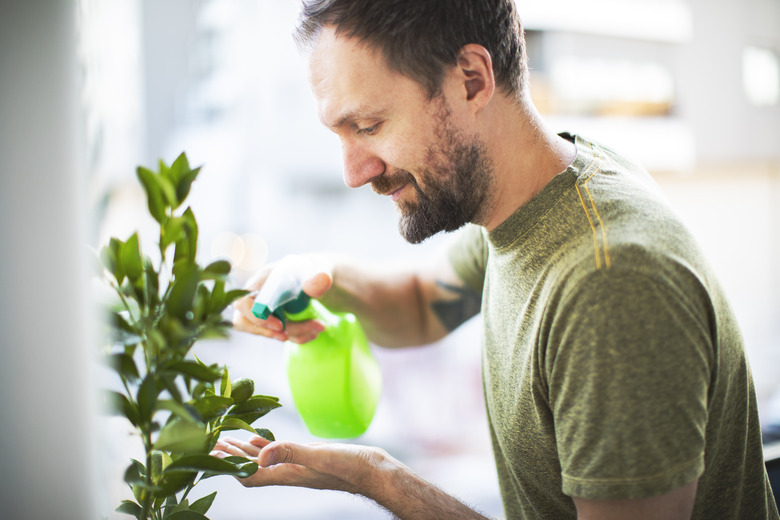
(405,494)
(391,302)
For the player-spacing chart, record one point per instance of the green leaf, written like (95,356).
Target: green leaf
(185,183)
(180,436)
(154,194)
(225,387)
(254,408)
(172,232)
(202,505)
(185,411)
(129,507)
(135,473)
(119,404)
(130,258)
(216,270)
(245,468)
(194,370)
(124,366)
(188,246)
(234,423)
(168,190)
(203,462)
(179,168)
(182,295)
(210,406)
(234,295)
(157,464)
(174,482)
(169,382)
(152,283)
(265,434)
(147,398)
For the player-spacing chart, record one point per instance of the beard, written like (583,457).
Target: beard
(457,185)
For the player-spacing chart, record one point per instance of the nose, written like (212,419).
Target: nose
(360,164)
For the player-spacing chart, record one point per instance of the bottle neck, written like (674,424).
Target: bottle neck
(314,311)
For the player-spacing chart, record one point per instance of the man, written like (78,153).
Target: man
(615,378)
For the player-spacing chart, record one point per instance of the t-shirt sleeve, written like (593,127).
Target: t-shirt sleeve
(628,382)
(468,254)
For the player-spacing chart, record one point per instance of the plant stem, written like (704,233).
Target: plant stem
(147,492)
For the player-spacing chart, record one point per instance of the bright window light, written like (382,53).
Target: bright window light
(761,76)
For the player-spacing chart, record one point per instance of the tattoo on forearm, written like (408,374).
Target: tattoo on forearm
(452,313)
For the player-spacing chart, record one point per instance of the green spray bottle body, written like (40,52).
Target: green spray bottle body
(334,379)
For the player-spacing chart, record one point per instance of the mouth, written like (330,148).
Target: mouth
(395,195)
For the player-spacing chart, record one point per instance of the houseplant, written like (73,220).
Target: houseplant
(177,404)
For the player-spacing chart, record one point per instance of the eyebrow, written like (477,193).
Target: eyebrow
(357,114)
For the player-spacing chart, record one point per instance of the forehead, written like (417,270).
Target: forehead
(351,81)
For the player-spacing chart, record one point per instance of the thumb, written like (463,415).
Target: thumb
(282,453)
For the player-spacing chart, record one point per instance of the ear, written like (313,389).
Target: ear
(475,68)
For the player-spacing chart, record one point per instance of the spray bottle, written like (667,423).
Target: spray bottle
(334,379)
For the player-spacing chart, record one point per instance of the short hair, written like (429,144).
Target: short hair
(422,38)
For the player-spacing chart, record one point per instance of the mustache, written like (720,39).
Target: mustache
(386,184)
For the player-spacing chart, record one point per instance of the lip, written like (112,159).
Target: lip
(394,196)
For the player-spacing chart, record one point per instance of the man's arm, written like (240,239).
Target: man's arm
(398,305)
(362,470)
(675,505)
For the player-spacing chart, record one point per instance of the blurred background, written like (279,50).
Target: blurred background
(92,88)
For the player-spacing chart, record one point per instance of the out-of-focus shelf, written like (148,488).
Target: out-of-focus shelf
(656,20)
(658,143)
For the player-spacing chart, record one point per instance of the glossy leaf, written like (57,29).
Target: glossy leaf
(147,398)
(185,183)
(180,436)
(179,168)
(216,270)
(129,507)
(265,433)
(185,411)
(203,462)
(130,258)
(182,295)
(225,386)
(153,193)
(234,423)
(202,505)
(195,370)
(124,366)
(254,408)
(211,406)
(244,468)
(119,404)
(173,482)
(135,473)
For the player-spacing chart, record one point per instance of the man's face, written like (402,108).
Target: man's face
(405,145)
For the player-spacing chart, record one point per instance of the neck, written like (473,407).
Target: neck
(526,155)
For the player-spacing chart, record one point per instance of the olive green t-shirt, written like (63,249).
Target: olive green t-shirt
(613,365)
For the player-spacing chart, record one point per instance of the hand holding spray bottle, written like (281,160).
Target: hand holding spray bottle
(335,379)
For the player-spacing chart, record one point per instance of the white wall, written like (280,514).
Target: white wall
(44,381)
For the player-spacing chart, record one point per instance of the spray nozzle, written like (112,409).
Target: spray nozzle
(281,293)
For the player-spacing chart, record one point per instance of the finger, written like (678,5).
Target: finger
(243,310)
(304,331)
(260,442)
(318,284)
(237,447)
(285,452)
(258,327)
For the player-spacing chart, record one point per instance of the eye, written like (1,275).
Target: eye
(370,130)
